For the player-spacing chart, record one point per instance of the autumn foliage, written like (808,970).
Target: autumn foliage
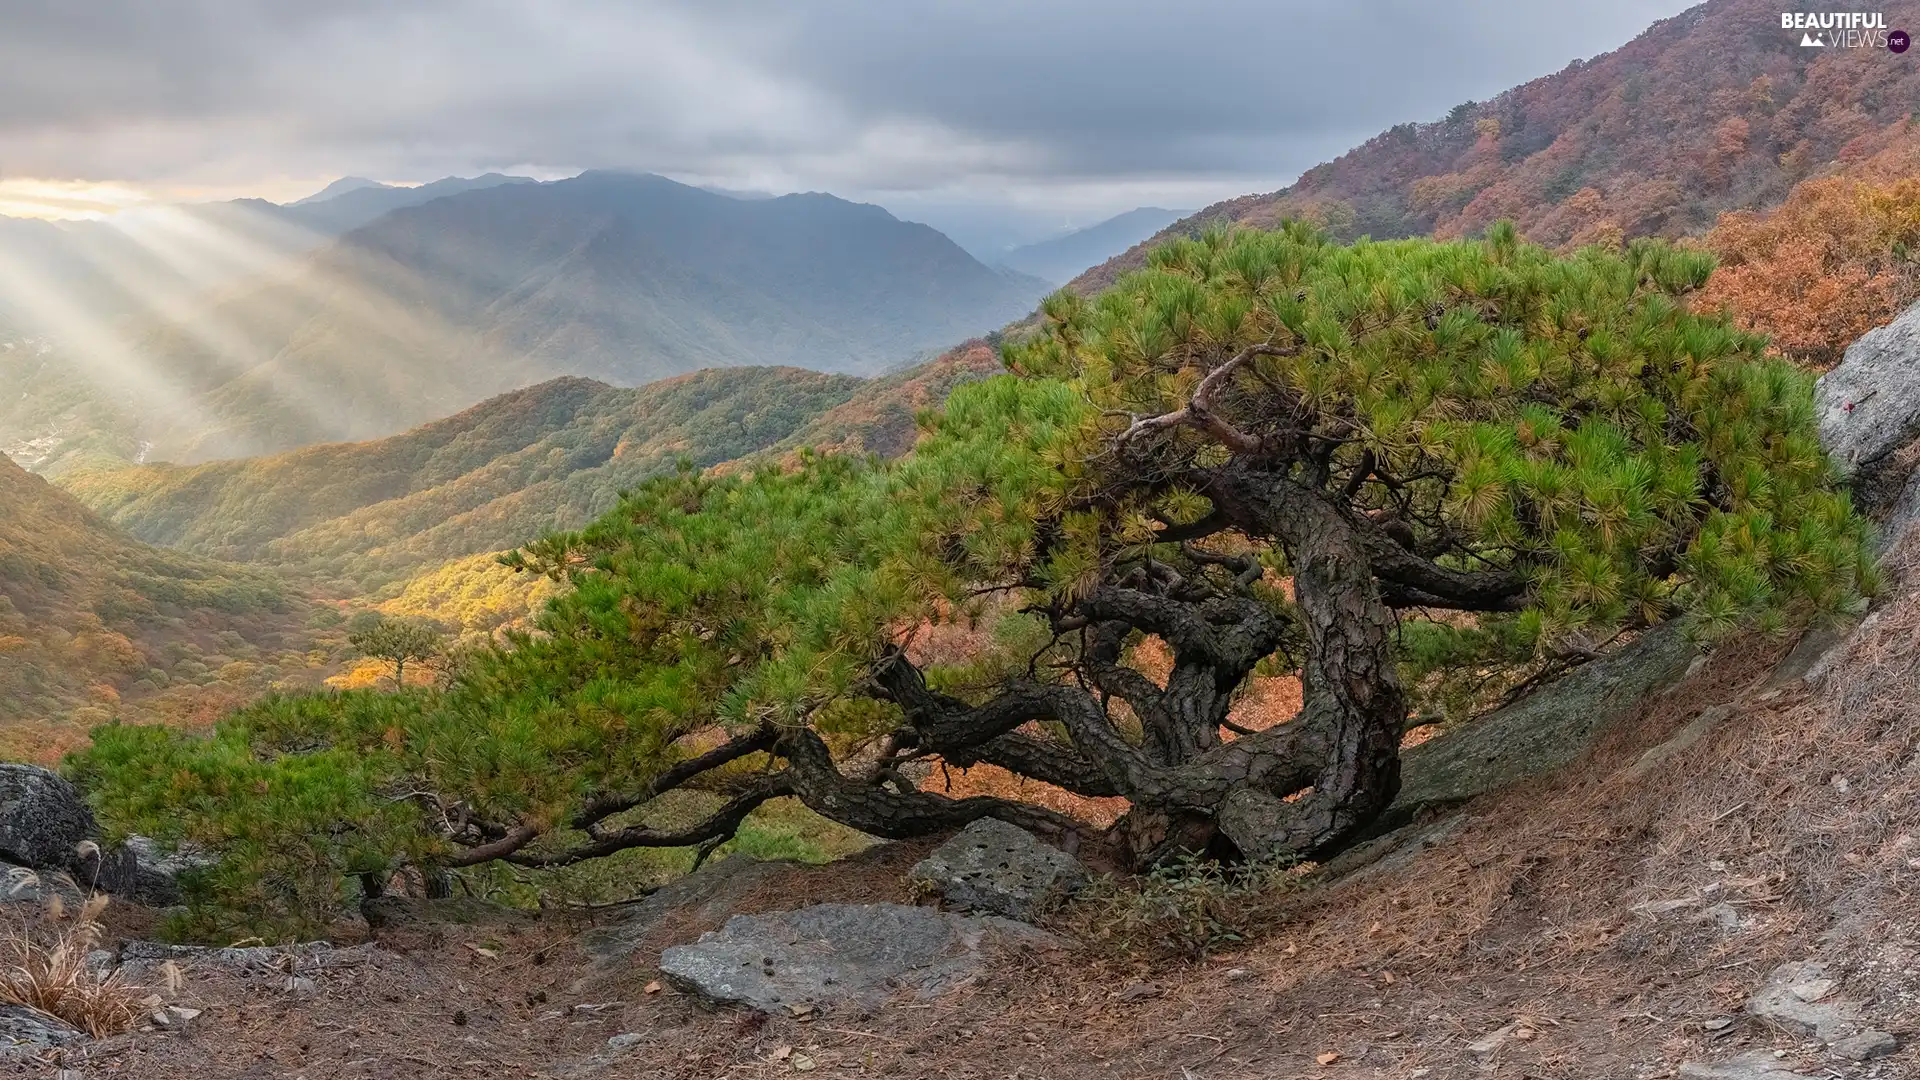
(1833,261)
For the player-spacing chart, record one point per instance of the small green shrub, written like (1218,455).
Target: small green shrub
(1182,910)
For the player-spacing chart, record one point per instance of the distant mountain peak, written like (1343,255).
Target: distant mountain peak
(338,188)
(1062,257)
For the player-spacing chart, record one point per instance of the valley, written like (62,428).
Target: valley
(1450,616)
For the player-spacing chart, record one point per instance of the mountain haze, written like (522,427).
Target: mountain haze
(618,277)
(551,456)
(1063,258)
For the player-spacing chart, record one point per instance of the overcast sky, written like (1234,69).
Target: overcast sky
(1067,109)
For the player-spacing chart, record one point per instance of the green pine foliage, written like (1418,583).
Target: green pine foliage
(1563,415)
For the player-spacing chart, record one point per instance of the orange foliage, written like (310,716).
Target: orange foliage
(1833,261)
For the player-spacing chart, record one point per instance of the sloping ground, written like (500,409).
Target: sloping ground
(96,626)
(1607,921)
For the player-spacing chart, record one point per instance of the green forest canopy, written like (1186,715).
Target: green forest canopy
(1375,466)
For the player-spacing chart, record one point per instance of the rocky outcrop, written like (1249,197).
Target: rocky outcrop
(47,828)
(43,820)
(28,1033)
(708,895)
(999,869)
(1868,408)
(1541,732)
(841,955)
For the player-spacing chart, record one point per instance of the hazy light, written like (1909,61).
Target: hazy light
(66,200)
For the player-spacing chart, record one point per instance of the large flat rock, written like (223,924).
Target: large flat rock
(842,955)
(708,895)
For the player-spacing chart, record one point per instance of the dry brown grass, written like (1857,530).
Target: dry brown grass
(45,969)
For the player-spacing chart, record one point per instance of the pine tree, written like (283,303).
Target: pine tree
(1374,466)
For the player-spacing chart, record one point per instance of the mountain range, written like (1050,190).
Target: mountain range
(619,277)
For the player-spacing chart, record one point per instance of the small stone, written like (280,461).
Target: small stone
(1238,974)
(1493,1040)
(999,869)
(626,1041)
(1718,1023)
(1723,915)
(300,984)
(1867,1045)
(182,1013)
(1138,992)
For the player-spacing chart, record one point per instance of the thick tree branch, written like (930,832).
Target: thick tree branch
(1200,412)
(601,807)
(902,814)
(716,829)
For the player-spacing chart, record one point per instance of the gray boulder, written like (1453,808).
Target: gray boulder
(144,872)
(28,1033)
(1798,997)
(1000,869)
(1868,406)
(856,955)
(42,818)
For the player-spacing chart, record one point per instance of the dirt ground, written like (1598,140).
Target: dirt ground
(1584,914)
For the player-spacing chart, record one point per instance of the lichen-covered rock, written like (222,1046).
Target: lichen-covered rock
(841,955)
(1868,406)
(42,818)
(28,1033)
(1798,997)
(1541,732)
(1000,869)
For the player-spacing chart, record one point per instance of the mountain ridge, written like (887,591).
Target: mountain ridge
(1713,109)
(621,277)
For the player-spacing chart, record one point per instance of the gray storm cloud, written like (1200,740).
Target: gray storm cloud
(998,99)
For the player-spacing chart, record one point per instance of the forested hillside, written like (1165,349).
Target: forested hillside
(552,456)
(94,625)
(1715,109)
